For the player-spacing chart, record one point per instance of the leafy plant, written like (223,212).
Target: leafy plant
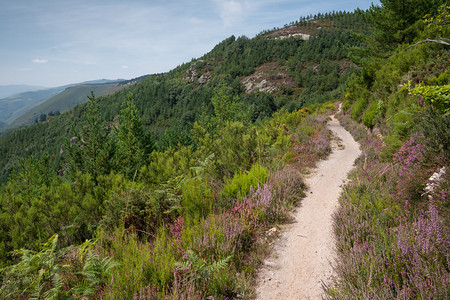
(44,273)
(437,96)
(197,270)
(241,183)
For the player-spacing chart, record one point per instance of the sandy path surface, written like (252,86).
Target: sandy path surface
(303,255)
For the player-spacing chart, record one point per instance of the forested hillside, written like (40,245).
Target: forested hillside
(312,71)
(169,188)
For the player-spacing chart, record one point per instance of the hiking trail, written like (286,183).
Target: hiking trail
(303,255)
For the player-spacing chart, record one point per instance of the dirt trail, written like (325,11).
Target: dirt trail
(306,249)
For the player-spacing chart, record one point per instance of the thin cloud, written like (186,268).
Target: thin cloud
(195,21)
(231,11)
(124,67)
(40,61)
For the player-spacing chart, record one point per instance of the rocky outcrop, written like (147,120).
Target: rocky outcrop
(303,36)
(193,73)
(253,85)
(268,78)
(204,78)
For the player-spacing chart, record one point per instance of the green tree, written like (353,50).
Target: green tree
(399,21)
(91,149)
(130,153)
(225,104)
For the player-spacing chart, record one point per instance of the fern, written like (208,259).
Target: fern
(39,275)
(94,269)
(35,272)
(198,269)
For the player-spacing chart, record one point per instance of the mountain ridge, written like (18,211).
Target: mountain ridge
(7,90)
(17,110)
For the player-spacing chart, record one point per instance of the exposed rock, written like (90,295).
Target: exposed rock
(204,78)
(192,74)
(303,36)
(268,78)
(434,181)
(272,231)
(73,140)
(265,86)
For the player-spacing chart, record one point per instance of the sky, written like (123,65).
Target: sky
(57,42)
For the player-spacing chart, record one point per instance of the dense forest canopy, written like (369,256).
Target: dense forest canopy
(166,188)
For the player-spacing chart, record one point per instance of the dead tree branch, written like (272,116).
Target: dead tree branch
(439,41)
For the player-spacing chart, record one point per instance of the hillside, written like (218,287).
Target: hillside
(24,104)
(176,186)
(169,104)
(13,106)
(9,90)
(392,225)
(67,99)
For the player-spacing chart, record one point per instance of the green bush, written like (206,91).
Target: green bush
(436,129)
(372,114)
(241,182)
(358,107)
(135,264)
(196,199)
(169,164)
(233,148)
(47,273)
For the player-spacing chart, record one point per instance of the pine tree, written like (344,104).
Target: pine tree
(130,154)
(91,149)
(396,21)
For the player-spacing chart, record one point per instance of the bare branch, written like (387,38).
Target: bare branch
(439,41)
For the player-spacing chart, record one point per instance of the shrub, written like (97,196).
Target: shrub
(242,182)
(371,115)
(392,241)
(358,108)
(436,129)
(141,210)
(196,199)
(288,188)
(141,264)
(169,164)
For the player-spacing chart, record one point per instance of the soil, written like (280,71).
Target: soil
(304,254)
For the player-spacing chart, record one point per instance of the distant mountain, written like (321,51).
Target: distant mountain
(18,105)
(13,106)
(68,98)
(100,81)
(9,90)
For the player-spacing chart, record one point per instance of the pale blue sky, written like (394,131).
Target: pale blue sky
(57,42)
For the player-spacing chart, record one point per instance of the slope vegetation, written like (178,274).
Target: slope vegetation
(13,106)
(393,222)
(170,103)
(168,188)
